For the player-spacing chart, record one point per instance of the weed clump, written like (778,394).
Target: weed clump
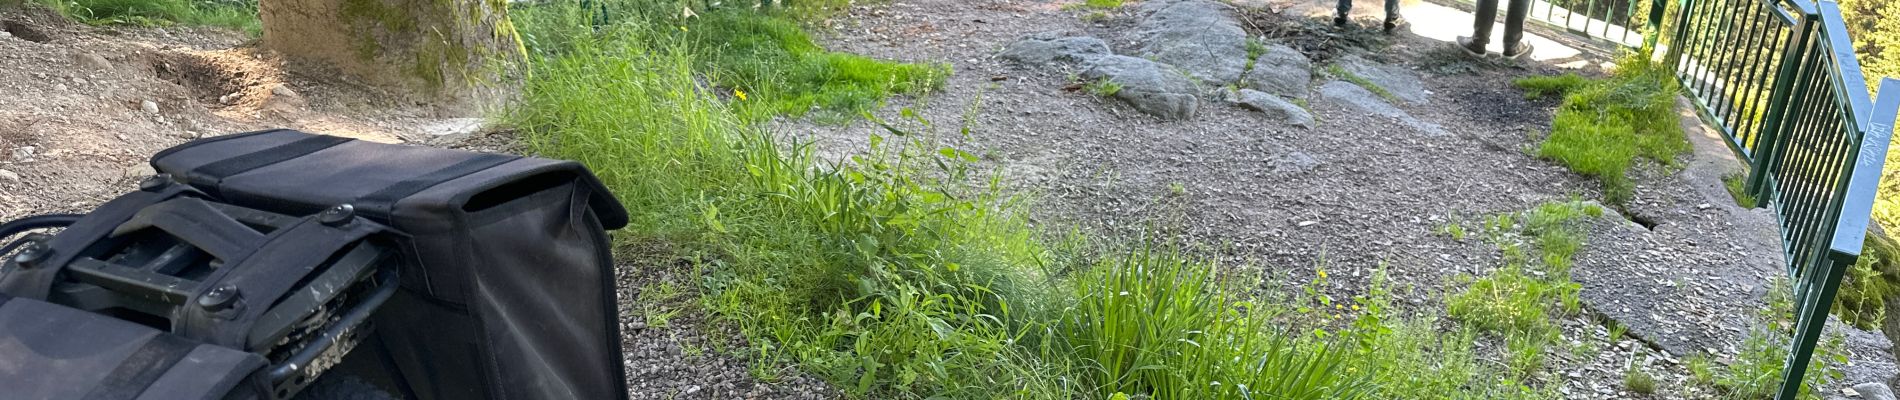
(1639,381)
(1736,185)
(1102,87)
(1755,372)
(1604,126)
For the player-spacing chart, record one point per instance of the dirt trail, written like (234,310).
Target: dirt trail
(81,108)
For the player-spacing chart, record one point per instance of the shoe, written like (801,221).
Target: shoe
(1393,24)
(1521,50)
(1464,43)
(1340,21)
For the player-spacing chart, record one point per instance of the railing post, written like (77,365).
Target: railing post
(1682,34)
(1653,27)
(1763,159)
(1811,314)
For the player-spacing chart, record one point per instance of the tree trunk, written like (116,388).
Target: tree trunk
(462,56)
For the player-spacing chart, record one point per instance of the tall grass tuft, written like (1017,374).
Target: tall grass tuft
(1154,322)
(1604,126)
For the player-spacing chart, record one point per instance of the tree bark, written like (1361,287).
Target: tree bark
(462,56)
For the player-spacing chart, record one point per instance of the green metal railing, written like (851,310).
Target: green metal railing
(1780,80)
(1616,21)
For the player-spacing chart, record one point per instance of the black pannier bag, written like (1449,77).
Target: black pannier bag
(506,277)
(163,293)
(259,264)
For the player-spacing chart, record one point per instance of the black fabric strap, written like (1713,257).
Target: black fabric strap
(197,223)
(383,201)
(217,171)
(142,368)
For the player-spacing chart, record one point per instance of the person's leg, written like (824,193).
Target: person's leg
(1486,16)
(1514,28)
(1345,8)
(1392,17)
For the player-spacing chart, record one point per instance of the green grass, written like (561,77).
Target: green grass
(907,273)
(1755,373)
(1342,73)
(1536,87)
(903,272)
(1637,380)
(1102,87)
(765,55)
(235,15)
(1870,283)
(787,73)
(1095,5)
(1518,298)
(1736,183)
(1604,126)
(1153,322)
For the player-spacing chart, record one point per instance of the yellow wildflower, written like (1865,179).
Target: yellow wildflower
(738,93)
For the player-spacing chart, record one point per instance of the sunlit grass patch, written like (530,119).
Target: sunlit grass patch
(1604,126)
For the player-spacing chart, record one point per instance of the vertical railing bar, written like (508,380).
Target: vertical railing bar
(1776,44)
(1721,83)
(1740,112)
(1698,47)
(1785,93)
(1737,49)
(1681,38)
(1711,50)
(1804,194)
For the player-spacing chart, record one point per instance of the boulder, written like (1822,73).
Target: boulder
(1200,37)
(1359,99)
(1874,391)
(1149,86)
(1047,47)
(1400,82)
(1274,107)
(1281,71)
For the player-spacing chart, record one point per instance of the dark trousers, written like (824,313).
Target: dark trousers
(1391,9)
(1513,23)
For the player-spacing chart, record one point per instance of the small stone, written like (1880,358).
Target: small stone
(138,171)
(1047,47)
(1703,206)
(24,152)
(282,90)
(230,98)
(92,61)
(59,87)
(150,107)
(1874,391)
(1304,224)
(1275,107)
(9,176)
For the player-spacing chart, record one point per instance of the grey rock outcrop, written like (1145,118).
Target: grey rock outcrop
(1358,98)
(1274,107)
(1400,82)
(1281,71)
(1047,47)
(1149,86)
(1200,37)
